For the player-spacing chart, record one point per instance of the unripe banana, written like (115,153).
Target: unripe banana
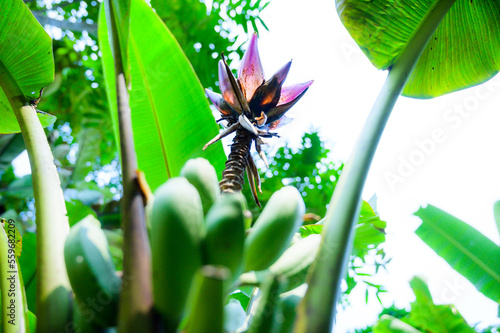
(266,315)
(296,260)
(202,175)
(274,229)
(206,313)
(91,272)
(293,264)
(177,229)
(225,233)
(288,303)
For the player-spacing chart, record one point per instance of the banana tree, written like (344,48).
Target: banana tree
(26,66)
(430,48)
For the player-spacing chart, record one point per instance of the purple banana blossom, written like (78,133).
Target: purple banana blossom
(252,107)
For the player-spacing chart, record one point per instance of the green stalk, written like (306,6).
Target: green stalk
(317,310)
(53,296)
(14,317)
(136,301)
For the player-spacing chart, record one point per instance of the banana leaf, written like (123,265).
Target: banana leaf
(464,248)
(26,63)
(464,50)
(171,117)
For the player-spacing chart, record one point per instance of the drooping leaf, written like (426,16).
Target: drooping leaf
(496,211)
(432,318)
(26,63)
(11,145)
(310,229)
(389,324)
(464,50)
(241,297)
(370,230)
(464,248)
(21,188)
(171,117)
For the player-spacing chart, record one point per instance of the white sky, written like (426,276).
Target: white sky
(459,175)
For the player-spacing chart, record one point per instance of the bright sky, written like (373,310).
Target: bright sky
(458,173)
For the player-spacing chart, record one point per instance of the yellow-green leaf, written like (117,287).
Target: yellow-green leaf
(464,50)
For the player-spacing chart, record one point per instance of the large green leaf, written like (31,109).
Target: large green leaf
(466,250)
(26,63)
(171,117)
(464,50)
(432,318)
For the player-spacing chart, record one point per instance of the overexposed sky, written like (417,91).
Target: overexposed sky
(444,150)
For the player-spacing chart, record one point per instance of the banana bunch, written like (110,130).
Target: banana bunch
(92,275)
(196,234)
(202,249)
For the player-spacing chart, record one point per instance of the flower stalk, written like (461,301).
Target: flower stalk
(252,107)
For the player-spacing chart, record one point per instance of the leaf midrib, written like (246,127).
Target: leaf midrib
(464,250)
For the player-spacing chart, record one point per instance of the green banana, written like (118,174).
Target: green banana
(177,229)
(274,229)
(91,272)
(206,313)
(225,233)
(288,303)
(293,264)
(268,315)
(203,176)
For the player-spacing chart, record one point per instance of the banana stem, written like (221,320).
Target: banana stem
(317,310)
(136,301)
(53,298)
